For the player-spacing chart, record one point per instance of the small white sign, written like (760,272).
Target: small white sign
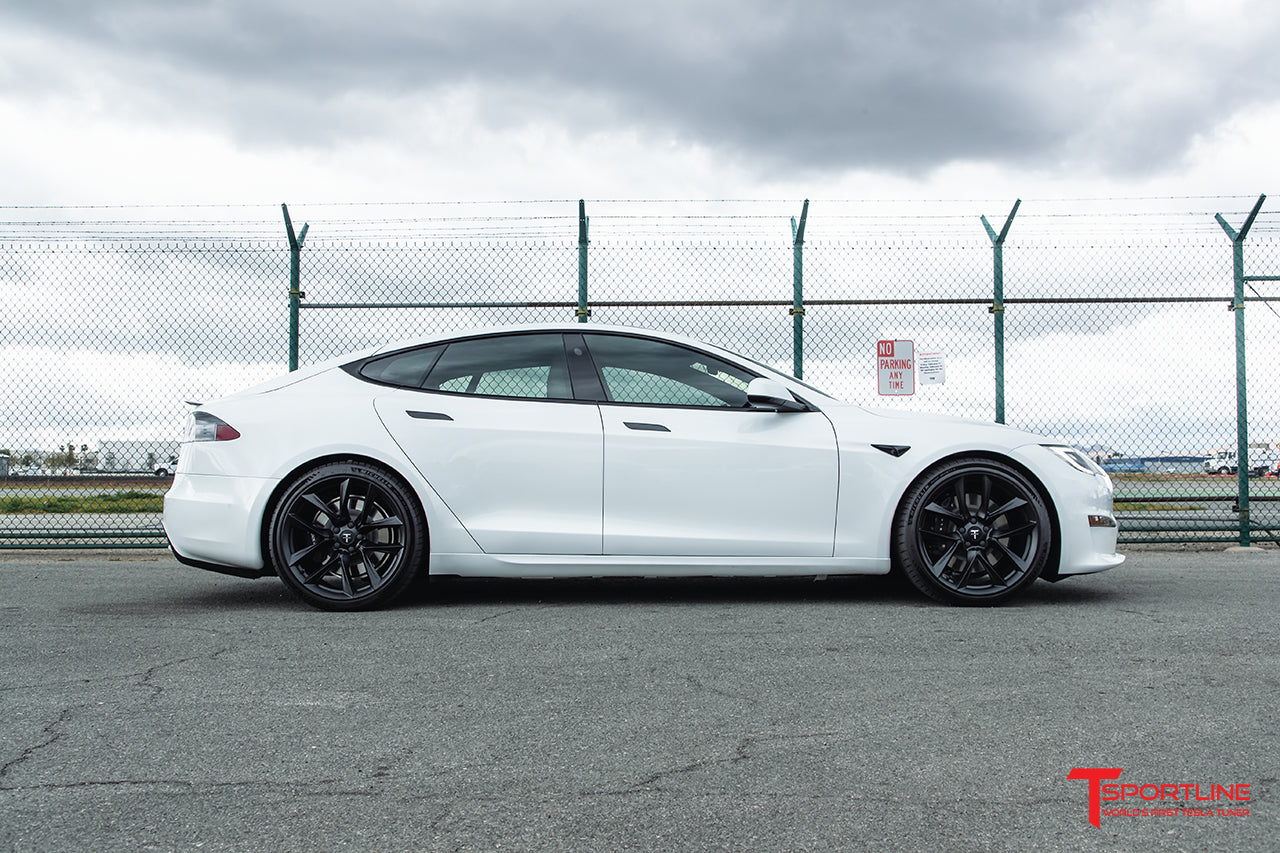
(933,368)
(896,367)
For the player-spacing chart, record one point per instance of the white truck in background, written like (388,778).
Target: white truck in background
(1262,460)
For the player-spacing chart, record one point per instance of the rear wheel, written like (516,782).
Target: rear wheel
(973,531)
(348,536)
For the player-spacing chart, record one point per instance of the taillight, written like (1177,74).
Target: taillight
(202,426)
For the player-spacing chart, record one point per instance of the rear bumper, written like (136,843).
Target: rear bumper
(215,522)
(215,567)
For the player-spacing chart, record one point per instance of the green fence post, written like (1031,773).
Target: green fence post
(797,288)
(997,306)
(295,283)
(583,311)
(1242,404)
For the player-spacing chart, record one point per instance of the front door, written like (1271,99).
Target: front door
(690,470)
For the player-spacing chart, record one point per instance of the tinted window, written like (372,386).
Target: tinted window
(510,366)
(638,370)
(402,368)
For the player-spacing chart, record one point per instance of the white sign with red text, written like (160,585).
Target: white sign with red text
(896,367)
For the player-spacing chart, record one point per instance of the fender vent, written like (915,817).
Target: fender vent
(894,450)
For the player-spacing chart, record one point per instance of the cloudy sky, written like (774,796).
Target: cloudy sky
(250,103)
(220,101)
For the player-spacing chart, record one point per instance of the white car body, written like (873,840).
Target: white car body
(519,487)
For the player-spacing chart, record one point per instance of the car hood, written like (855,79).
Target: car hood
(899,426)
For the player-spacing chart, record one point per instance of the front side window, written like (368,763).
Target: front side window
(656,373)
(532,366)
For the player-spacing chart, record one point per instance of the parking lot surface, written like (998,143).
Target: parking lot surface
(147,705)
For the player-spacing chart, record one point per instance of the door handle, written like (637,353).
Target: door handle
(428,416)
(642,427)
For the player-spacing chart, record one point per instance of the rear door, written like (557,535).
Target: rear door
(494,429)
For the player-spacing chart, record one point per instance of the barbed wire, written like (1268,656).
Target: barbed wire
(630,218)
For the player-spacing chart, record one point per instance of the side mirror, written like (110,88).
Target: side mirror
(763,393)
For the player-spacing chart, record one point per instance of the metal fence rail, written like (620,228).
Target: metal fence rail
(1127,338)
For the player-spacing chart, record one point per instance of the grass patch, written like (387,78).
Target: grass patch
(132,501)
(1147,506)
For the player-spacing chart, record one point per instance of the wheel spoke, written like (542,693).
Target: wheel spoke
(1010,506)
(938,509)
(389,547)
(389,521)
(344,573)
(343,495)
(309,525)
(950,535)
(320,571)
(1010,532)
(963,581)
(315,501)
(1018,560)
(994,574)
(939,566)
(302,553)
(359,519)
(375,579)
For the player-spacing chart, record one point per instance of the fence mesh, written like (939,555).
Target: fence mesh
(1118,331)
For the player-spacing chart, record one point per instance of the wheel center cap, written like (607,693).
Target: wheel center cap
(347,538)
(975,536)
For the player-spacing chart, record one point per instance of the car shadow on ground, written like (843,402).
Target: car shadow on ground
(444,591)
(452,591)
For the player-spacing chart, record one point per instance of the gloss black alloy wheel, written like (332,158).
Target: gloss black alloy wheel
(348,536)
(973,531)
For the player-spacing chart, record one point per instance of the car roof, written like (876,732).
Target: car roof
(561,327)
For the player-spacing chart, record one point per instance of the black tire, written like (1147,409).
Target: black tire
(973,531)
(348,536)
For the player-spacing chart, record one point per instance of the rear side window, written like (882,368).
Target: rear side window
(408,369)
(531,366)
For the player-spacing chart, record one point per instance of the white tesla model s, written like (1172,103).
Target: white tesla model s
(574,450)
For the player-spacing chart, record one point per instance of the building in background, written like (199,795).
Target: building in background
(135,455)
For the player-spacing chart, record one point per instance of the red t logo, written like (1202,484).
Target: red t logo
(1095,775)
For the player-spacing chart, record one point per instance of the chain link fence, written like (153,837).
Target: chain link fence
(1127,331)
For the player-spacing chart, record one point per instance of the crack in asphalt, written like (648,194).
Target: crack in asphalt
(53,736)
(742,752)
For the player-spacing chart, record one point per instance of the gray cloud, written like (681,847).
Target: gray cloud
(820,85)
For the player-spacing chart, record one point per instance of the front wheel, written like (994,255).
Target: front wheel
(348,536)
(973,531)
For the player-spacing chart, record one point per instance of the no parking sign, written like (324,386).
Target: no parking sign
(896,367)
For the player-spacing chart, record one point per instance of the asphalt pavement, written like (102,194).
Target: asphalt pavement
(150,706)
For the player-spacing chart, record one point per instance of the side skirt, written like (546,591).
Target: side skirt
(560,566)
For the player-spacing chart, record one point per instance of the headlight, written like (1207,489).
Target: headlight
(1074,458)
